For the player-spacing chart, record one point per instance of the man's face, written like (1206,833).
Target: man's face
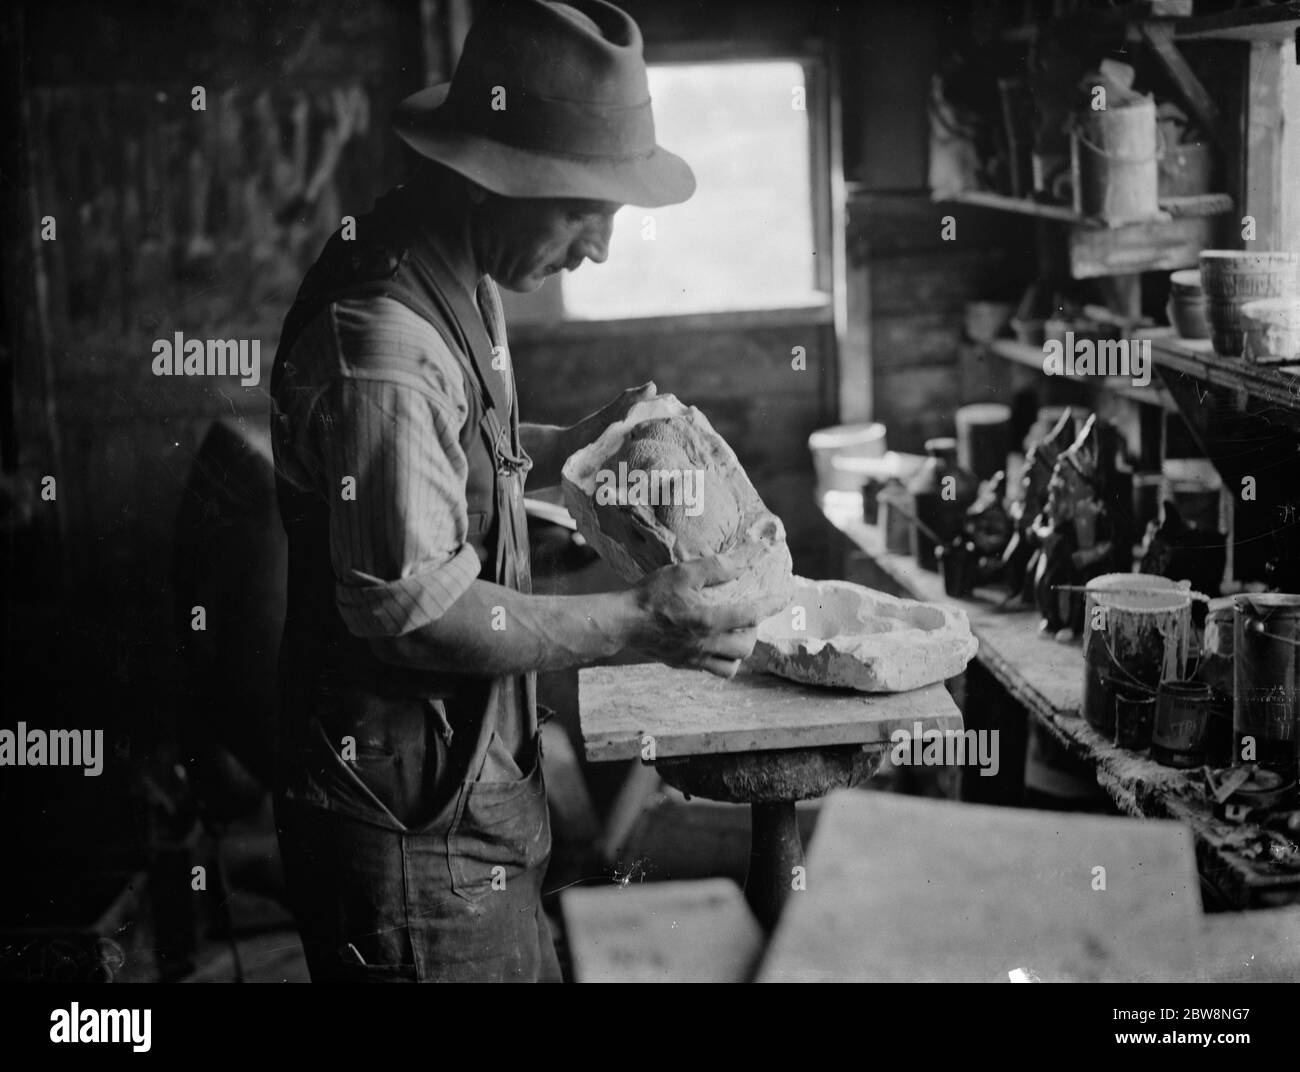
(521,241)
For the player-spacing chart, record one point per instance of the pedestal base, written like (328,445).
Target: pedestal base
(771,782)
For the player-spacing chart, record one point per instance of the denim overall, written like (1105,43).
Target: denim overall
(410,804)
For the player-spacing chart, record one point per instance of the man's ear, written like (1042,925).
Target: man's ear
(477,195)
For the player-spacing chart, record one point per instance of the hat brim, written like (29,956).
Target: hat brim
(660,178)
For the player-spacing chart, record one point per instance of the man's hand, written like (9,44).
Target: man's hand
(550,445)
(589,428)
(677,627)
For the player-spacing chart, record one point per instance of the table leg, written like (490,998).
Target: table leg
(775,850)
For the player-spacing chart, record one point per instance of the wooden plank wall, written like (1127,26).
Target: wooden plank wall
(740,377)
(168,219)
(171,219)
(912,286)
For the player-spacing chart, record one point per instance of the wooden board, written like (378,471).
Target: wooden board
(691,713)
(661,932)
(1250,947)
(1138,247)
(904,889)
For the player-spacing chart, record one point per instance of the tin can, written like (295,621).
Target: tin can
(894,517)
(957,565)
(1182,716)
(1135,714)
(1266,682)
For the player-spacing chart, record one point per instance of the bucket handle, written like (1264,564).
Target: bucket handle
(1257,628)
(1077,130)
(1140,686)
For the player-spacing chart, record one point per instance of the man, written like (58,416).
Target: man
(410,802)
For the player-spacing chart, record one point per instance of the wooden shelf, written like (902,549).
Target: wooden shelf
(1277,385)
(1019,205)
(1032,357)
(1276,22)
(1197,205)
(1046,677)
(1173,241)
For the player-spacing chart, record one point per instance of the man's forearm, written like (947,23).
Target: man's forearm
(496,631)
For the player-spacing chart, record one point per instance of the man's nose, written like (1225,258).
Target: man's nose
(594,243)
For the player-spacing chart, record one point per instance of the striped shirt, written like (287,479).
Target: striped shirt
(377,396)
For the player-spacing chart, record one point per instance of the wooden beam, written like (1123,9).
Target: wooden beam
(1274,22)
(1266,180)
(1160,38)
(31,435)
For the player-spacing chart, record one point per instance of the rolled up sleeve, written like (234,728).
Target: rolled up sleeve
(385,435)
(399,550)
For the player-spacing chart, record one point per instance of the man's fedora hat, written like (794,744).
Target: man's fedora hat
(549,100)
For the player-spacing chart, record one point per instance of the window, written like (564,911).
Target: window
(746,240)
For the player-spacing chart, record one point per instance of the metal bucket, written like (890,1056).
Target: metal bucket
(1114,160)
(1266,680)
(1142,640)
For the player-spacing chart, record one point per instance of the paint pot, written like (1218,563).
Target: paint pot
(867,475)
(1182,717)
(1266,681)
(1232,278)
(1136,633)
(957,565)
(1186,307)
(1135,714)
(848,440)
(941,492)
(983,438)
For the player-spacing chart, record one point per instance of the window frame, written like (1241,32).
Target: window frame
(824,180)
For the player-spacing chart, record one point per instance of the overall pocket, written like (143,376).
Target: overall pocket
(501,832)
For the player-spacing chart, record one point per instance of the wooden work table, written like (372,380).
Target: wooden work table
(1241,865)
(756,739)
